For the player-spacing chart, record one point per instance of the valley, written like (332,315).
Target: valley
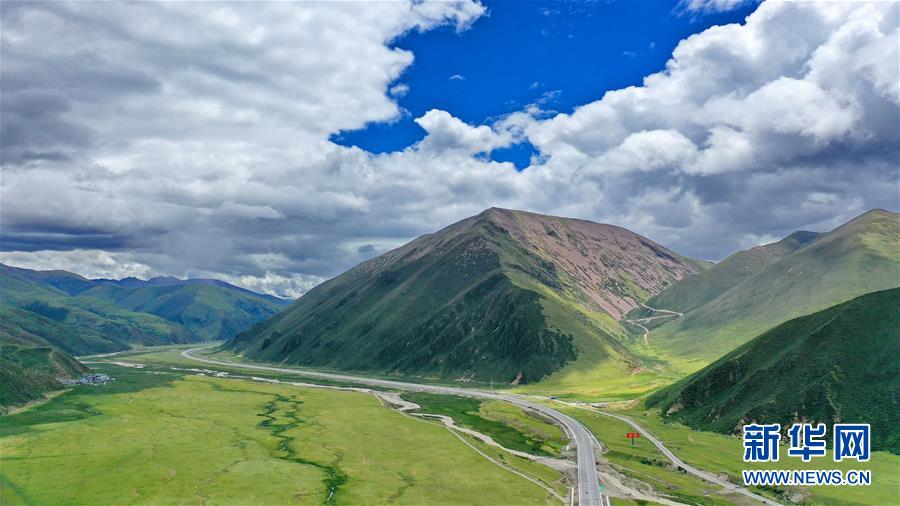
(500,360)
(208,436)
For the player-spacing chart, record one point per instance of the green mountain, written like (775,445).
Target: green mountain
(82,316)
(29,365)
(207,312)
(505,295)
(859,257)
(840,364)
(694,291)
(48,316)
(80,325)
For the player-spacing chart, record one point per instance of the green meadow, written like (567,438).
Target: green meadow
(156,436)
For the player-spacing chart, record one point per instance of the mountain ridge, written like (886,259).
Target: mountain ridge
(508,295)
(858,257)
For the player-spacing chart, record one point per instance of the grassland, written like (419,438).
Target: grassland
(508,425)
(157,436)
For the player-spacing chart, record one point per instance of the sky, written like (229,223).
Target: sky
(274,145)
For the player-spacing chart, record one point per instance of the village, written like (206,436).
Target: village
(88,379)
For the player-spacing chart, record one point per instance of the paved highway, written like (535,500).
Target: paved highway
(588,482)
(677,461)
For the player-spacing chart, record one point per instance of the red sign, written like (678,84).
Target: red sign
(633,434)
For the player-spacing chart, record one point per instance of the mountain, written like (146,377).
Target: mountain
(859,257)
(505,295)
(81,316)
(838,365)
(694,291)
(79,325)
(29,365)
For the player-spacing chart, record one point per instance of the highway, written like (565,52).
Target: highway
(588,481)
(677,461)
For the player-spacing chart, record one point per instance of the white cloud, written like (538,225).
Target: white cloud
(457,77)
(446,133)
(711,6)
(399,90)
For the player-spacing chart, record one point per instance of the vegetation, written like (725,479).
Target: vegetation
(508,425)
(840,364)
(29,365)
(694,291)
(170,438)
(207,312)
(489,298)
(82,316)
(859,257)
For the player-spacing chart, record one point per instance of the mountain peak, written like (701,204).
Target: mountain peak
(485,297)
(874,215)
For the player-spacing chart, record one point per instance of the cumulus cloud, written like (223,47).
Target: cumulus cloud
(192,138)
(446,133)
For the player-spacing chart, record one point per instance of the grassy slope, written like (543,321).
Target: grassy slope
(29,365)
(859,257)
(81,325)
(206,311)
(840,364)
(694,291)
(84,316)
(172,439)
(450,313)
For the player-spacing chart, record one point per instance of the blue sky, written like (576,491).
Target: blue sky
(557,55)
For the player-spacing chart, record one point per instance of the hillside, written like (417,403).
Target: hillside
(694,291)
(83,316)
(859,257)
(840,364)
(506,295)
(207,312)
(29,365)
(79,325)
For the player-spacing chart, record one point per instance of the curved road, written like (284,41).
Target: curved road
(677,461)
(588,482)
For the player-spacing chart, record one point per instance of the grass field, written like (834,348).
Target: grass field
(508,425)
(155,436)
(723,455)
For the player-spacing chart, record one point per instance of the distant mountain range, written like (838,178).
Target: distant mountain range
(755,290)
(505,295)
(47,316)
(841,364)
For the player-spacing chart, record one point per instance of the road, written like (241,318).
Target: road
(641,321)
(588,481)
(677,461)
